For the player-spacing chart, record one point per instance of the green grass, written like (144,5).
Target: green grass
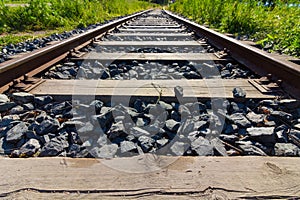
(60,15)
(277,27)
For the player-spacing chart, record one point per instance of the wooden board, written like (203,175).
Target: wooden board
(119,178)
(193,89)
(177,35)
(202,57)
(169,30)
(152,27)
(150,43)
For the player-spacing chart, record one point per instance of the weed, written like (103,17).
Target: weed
(276,27)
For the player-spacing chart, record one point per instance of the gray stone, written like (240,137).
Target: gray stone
(193,135)
(16,133)
(295,133)
(198,125)
(87,128)
(282,115)
(178,148)
(146,143)
(256,118)
(23,97)
(28,106)
(240,120)
(184,111)
(102,140)
(107,151)
(289,103)
(3,98)
(186,127)
(238,92)
(178,92)
(137,131)
(140,122)
(6,106)
(218,146)
(54,147)
(296,126)
(41,117)
(229,138)
(175,115)
(47,126)
(162,142)
(139,105)
(231,128)
(96,105)
(74,150)
(286,149)
(236,107)
(282,133)
(17,110)
(262,134)
(127,146)
(250,149)
(29,148)
(116,130)
(202,147)
(104,119)
(165,105)
(172,125)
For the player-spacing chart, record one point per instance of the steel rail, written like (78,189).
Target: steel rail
(257,60)
(18,67)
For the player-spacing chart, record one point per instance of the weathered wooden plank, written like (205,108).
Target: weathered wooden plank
(153,34)
(169,30)
(154,177)
(149,43)
(146,88)
(162,26)
(202,57)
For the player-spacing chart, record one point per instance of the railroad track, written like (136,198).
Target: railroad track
(164,74)
(150,85)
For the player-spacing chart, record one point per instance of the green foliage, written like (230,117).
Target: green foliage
(45,14)
(276,25)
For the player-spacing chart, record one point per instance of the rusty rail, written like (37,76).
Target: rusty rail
(257,60)
(16,68)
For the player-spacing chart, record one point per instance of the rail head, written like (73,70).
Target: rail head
(261,62)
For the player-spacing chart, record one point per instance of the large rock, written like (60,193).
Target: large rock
(107,151)
(5,106)
(47,126)
(238,92)
(43,100)
(262,134)
(178,148)
(17,110)
(146,143)
(137,131)
(3,98)
(256,118)
(23,97)
(16,133)
(172,125)
(286,149)
(202,147)
(55,146)
(127,146)
(117,130)
(289,103)
(240,120)
(250,149)
(218,147)
(29,148)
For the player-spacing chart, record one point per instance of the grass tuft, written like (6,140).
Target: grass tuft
(276,27)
